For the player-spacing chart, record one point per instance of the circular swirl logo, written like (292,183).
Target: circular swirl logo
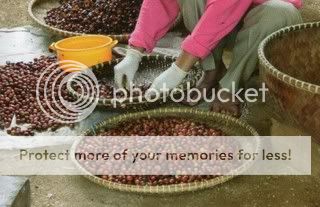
(53,96)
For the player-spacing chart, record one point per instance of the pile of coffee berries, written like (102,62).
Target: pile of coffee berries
(95,16)
(168,126)
(162,127)
(18,85)
(17,131)
(107,91)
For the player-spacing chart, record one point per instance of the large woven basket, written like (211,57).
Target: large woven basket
(150,68)
(228,124)
(290,67)
(38,10)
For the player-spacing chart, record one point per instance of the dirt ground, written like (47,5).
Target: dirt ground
(242,191)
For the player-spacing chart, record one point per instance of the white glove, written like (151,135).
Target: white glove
(127,68)
(169,80)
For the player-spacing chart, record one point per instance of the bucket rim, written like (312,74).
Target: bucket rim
(62,49)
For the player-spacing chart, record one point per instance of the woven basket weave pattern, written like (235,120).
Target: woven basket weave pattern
(227,124)
(37,10)
(150,67)
(289,63)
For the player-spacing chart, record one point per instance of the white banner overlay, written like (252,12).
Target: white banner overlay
(229,155)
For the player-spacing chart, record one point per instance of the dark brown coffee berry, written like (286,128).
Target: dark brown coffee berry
(95,16)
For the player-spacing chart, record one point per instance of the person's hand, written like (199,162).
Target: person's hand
(168,80)
(124,71)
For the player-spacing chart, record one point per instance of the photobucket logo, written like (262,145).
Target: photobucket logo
(191,95)
(54,99)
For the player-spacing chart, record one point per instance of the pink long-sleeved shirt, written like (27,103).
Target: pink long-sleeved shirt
(220,18)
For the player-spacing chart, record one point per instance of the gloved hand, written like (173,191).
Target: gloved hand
(127,68)
(170,78)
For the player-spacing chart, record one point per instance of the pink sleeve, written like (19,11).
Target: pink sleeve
(155,19)
(219,19)
(296,3)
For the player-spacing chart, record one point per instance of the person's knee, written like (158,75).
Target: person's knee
(279,14)
(288,11)
(192,11)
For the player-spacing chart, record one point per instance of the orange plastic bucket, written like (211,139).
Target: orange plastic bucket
(88,49)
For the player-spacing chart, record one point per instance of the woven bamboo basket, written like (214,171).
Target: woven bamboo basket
(38,9)
(289,64)
(150,68)
(229,125)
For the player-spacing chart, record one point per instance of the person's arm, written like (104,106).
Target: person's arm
(155,19)
(296,3)
(219,19)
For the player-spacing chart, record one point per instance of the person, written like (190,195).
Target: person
(212,23)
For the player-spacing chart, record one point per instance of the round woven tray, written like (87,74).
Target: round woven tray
(229,125)
(289,65)
(38,9)
(150,67)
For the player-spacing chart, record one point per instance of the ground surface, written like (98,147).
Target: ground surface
(16,191)
(242,191)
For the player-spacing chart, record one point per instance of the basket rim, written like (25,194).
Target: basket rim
(106,102)
(174,110)
(168,189)
(306,86)
(123,37)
